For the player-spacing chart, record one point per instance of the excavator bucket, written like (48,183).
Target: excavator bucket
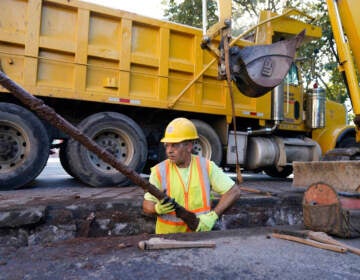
(258,69)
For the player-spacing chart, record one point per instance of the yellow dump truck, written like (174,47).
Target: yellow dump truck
(121,77)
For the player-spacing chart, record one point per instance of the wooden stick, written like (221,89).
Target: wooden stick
(323,237)
(309,242)
(161,243)
(251,190)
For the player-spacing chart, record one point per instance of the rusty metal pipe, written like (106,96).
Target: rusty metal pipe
(263,131)
(48,114)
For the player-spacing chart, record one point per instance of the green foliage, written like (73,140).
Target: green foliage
(249,9)
(323,56)
(189,12)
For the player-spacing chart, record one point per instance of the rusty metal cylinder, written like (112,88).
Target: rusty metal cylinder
(315,108)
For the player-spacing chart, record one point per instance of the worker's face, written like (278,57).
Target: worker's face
(179,153)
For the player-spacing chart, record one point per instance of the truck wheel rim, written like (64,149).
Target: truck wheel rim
(115,142)
(202,147)
(13,146)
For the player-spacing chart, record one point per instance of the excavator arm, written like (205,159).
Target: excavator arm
(344,18)
(339,167)
(255,69)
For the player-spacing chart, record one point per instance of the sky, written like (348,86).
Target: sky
(151,8)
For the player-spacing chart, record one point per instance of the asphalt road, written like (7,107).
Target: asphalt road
(239,254)
(54,175)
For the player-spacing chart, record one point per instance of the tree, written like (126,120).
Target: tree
(189,12)
(322,57)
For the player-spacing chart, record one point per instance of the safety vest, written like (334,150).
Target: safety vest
(196,198)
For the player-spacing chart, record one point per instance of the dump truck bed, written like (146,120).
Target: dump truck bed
(82,51)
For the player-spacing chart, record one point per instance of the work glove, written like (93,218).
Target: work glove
(207,221)
(164,206)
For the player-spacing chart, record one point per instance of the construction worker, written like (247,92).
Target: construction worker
(188,179)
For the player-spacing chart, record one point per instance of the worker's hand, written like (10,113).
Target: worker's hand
(164,207)
(207,221)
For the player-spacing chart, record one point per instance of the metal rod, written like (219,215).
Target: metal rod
(204,16)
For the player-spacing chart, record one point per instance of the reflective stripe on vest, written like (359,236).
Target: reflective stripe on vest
(163,174)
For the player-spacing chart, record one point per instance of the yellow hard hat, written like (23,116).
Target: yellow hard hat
(178,130)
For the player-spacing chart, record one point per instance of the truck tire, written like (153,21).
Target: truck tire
(119,135)
(348,142)
(24,146)
(64,159)
(347,149)
(279,173)
(209,144)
